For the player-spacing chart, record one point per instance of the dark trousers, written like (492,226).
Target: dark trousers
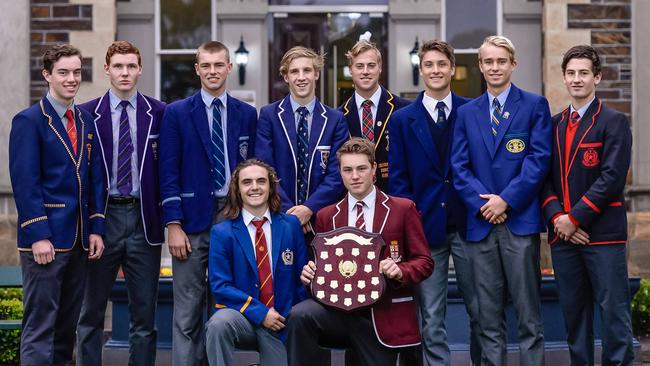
(505,264)
(52,296)
(310,324)
(594,274)
(126,247)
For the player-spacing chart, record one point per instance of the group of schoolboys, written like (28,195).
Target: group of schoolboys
(476,180)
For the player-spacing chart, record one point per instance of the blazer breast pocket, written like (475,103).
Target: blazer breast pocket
(590,154)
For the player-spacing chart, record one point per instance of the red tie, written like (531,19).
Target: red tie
(367,123)
(71,129)
(571,129)
(263,264)
(361,222)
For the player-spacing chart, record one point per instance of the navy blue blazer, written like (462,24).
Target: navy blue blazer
(512,164)
(277,145)
(186,173)
(599,160)
(416,171)
(59,196)
(232,268)
(388,103)
(149,116)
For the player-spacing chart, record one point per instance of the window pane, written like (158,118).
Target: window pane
(328,2)
(470,21)
(184,24)
(178,79)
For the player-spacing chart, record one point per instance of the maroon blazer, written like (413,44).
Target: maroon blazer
(397,220)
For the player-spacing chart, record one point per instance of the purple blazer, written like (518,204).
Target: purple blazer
(149,116)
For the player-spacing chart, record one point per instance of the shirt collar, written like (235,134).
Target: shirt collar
(208,98)
(115,100)
(368,200)
(295,105)
(59,108)
(248,217)
(432,102)
(583,109)
(374,98)
(501,97)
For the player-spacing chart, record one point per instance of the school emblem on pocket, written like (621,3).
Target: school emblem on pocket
(287,257)
(324,157)
(515,145)
(243,149)
(590,158)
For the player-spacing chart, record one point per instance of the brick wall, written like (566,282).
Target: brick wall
(51,22)
(610,25)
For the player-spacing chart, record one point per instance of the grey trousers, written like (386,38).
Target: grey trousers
(228,329)
(126,247)
(504,263)
(431,295)
(190,303)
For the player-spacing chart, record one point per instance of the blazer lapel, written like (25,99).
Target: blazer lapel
(144,121)
(420,126)
(81,135)
(104,127)
(384,111)
(351,114)
(200,121)
(244,240)
(288,122)
(509,113)
(233,128)
(277,236)
(340,218)
(451,121)
(482,121)
(560,133)
(381,212)
(318,125)
(586,123)
(57,127)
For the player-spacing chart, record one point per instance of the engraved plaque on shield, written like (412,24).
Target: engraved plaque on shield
(347,268)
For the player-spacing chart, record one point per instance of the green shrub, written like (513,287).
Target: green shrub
(10,339)
(641,310)
(11,293)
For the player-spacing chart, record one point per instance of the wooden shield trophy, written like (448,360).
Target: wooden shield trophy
(347,268)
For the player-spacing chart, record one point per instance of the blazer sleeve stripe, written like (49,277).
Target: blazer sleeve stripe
(174,198)
(248,301)
(590,204)
(548,200)
(31,221)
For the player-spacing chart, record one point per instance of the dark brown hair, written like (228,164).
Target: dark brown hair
(357,145)
(582,51)
(122,48)
(55,53)
(212,47)
(440,46)
(234,205)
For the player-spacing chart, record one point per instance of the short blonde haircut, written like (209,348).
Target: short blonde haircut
(361,47)
(298,52)
(498,41)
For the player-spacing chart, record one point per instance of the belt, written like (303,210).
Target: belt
(119,200)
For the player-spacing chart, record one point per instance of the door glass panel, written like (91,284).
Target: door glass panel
(468,80)
(328,2)
(470,34)
(177,77)
(184,24)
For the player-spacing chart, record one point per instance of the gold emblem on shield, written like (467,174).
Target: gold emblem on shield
(347,268)
(516,145)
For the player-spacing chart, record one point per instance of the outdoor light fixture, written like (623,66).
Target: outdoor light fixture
(241,59)
(415,61)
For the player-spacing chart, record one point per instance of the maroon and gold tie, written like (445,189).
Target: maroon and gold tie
(361,222)
(71,129)
(367,123)
(263,264)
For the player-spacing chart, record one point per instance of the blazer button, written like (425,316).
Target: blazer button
(443,205)
(256,285)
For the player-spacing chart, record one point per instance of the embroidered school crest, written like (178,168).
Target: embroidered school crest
(243,149)
(324,157)
(287,257)
(590,158)
(516,145)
